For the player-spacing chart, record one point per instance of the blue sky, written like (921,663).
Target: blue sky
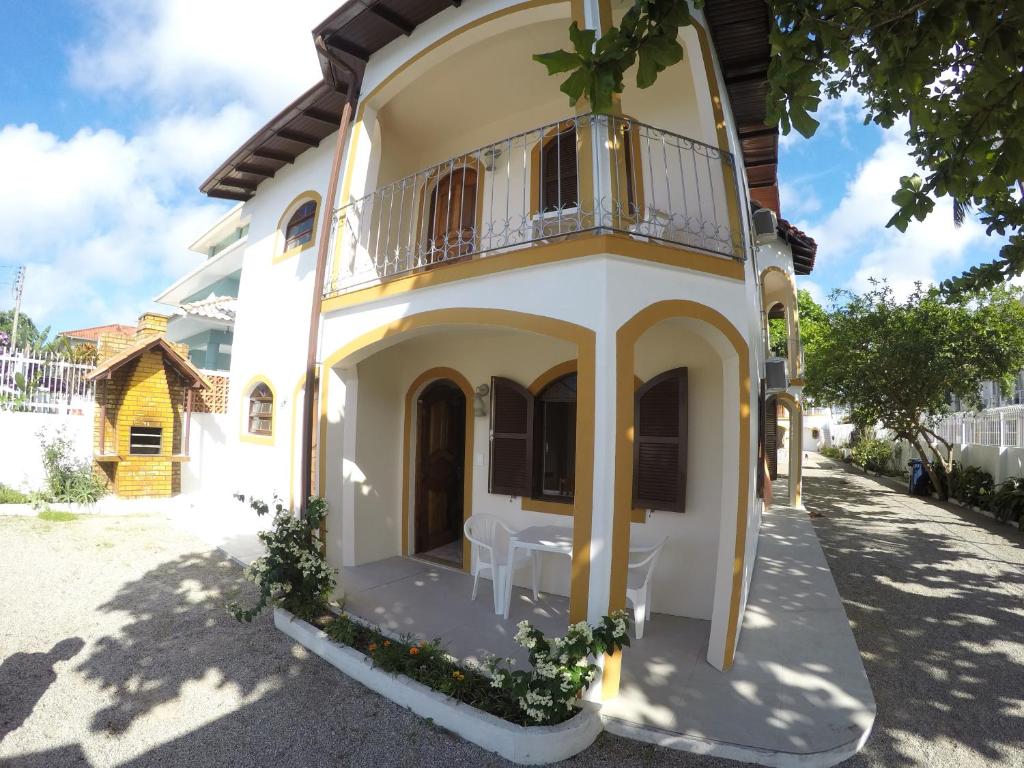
(112,112)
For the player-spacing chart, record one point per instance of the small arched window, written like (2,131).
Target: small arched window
(300,226)
(261,410)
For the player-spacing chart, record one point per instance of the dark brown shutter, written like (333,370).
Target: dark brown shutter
(762,417)
(558,171)
(511,438)
(771,436)
(659,445)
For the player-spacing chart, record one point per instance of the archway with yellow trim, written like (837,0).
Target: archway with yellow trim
(340,373)
(730,563)
(794,476)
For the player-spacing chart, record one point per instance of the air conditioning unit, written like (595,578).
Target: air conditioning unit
(776,375)
(765,226)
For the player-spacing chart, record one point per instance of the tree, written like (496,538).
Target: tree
(28,334)
(953,68)
(895,363)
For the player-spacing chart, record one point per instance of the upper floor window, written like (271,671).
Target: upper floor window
(559,188)
(300,226)
(261,410)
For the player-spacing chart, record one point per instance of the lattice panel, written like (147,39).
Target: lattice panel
(215,399)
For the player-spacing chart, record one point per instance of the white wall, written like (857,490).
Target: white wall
(21,464)
(1001,463)
(208,470)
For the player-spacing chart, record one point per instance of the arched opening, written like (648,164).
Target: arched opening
(440,468)
(779,320)
(261,410)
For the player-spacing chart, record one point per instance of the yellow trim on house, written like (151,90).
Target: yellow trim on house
(243,428)
(421,381)
(792,318)
(578,246)
(625,346)
(585,341)
(291,455)
(279,235)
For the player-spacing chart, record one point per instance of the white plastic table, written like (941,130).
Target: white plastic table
(556,539)
(537,538)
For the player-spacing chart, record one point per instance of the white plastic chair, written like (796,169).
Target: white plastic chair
(490,537)
(638,584)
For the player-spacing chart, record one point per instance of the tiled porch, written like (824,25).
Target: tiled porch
(431,601)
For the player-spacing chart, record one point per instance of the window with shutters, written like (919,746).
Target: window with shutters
(512,424)
(261,410)
(559,189)
(659,444)
(555,430)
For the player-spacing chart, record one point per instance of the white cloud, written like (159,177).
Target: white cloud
(798,203)
(835,116)
(854,233)
(102,218)
(258,51)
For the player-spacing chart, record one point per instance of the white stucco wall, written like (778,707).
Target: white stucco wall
(21,464)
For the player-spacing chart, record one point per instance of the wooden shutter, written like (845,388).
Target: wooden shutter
(558,171)
(511,438)
(771,436)
(761,419)
(659,444)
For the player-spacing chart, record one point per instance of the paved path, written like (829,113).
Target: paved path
(115,650)
(935,595)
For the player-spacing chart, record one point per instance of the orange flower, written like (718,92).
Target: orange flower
(373,647)
(458,676)
(387,643)
(414,651)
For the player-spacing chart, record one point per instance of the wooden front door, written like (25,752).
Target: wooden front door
(440,468)
(452,218)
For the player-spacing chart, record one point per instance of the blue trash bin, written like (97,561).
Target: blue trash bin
(919,480)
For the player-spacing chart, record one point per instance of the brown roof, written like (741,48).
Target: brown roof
(353,33)
(740,29)
(804,247)
(93,334)
(182,364)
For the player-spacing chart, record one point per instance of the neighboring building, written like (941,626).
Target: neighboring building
(82,336)
(992,396)
(529,311)
(205,298)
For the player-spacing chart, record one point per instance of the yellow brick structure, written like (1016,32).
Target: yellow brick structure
(145,389)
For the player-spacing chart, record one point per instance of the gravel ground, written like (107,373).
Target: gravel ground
(115,650)
(935,595)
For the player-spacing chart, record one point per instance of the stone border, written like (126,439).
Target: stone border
(534,745)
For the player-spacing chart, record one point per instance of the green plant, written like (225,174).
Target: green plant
(562,668)
(293,574)
(971,485)
(68,478)
(832,453)
(1008,501)
(12,496)
(56,516)
(872,453)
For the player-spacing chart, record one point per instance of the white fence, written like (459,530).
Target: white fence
(999,427)
(43,382)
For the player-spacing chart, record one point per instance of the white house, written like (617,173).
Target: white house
(528,310)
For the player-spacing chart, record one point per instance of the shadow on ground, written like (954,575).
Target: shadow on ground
(935,595)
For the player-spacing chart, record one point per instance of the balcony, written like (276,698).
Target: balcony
(589,173)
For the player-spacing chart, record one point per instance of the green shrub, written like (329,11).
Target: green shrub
(561,668)
(56,516)
(872,453)
(68,478)
(293,574)
(832,453)
(12,496)
(1008,501)
(971,485)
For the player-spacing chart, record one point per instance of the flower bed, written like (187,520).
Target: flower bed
(527,745)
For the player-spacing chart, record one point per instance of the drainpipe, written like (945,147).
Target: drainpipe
(308,401)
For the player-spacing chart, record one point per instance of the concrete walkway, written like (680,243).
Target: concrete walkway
(797,693)
(935,596)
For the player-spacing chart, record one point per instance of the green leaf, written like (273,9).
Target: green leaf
(803,122)
(558,61)
(582,40)
(575,85)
